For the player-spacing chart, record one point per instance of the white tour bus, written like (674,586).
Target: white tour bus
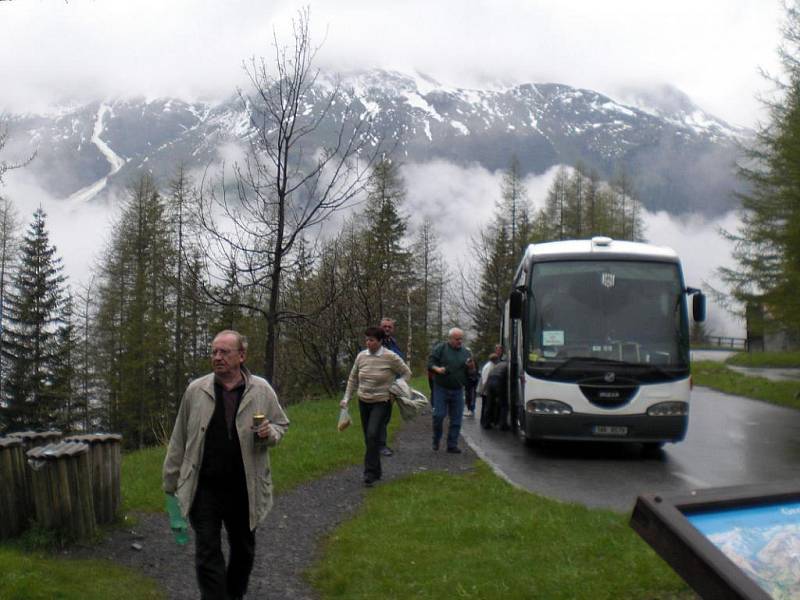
(598,339)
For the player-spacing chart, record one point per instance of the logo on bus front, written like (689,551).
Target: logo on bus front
(608,280)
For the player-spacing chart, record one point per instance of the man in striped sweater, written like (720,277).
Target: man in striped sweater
(374,371)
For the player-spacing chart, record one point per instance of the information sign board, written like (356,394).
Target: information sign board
(738,542)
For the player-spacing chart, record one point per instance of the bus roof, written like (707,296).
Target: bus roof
(598,247)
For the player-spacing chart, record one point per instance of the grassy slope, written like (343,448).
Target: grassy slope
(765,359)
(717,376)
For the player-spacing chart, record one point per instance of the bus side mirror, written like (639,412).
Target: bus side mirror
(699,307)
(515,305)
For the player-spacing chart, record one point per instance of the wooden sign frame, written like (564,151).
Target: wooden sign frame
(663,521)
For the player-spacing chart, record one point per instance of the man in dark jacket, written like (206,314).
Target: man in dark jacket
(449,363)
(497,393)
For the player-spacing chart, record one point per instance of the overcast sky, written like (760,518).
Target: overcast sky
(56,50)
(53,51)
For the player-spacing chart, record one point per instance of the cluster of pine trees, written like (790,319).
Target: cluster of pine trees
(578,205)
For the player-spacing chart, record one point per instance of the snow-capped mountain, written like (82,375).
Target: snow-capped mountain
(680,158)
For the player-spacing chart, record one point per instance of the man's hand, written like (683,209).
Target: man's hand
(439,370)
(343,403)
(264,430)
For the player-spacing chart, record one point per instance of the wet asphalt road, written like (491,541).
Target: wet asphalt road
(731,441)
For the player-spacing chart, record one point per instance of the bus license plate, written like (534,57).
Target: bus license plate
(609,430)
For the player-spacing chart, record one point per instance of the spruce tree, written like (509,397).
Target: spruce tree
(34,318)
(388,261)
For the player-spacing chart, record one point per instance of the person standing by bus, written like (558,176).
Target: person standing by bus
(449,363)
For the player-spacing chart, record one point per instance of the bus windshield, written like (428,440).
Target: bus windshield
(630,312)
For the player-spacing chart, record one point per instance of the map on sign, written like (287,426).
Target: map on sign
(763,541)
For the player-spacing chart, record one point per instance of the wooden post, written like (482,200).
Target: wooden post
(14,492)
(105,458)
(61,486)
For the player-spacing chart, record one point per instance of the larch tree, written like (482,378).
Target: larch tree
(9,234)
(134,316)
(287,185)
(767,243)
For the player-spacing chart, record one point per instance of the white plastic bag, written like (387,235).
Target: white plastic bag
(344,420)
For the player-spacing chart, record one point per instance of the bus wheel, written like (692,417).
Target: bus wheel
(652,449)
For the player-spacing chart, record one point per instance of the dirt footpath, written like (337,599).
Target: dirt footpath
(288,542)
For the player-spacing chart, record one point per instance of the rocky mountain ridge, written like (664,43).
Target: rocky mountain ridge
(681,159)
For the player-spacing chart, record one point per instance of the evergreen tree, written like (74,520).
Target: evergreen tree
(34,318)
(134,317)
(65,370)
(767,244)
(8,256)
(579,206)
(386,259)
(497,250)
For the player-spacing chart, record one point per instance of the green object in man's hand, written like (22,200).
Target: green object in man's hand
(177,523)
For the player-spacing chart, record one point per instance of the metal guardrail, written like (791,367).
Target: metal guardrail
(718,341)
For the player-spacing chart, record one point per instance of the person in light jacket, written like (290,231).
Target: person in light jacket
(218,468)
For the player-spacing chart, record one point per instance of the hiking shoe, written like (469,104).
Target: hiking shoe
(369,481)
(454,450)
(435,446)
(386,451)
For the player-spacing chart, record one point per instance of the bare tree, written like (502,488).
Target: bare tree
(305,161)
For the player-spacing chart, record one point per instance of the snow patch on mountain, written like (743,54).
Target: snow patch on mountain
(115,161)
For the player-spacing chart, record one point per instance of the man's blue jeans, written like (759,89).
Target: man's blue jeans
(447,402)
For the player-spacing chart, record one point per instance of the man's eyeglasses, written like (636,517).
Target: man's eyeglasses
(221,352)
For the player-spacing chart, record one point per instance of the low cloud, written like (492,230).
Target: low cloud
(79,233)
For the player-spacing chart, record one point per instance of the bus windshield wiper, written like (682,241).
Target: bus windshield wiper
(593,360)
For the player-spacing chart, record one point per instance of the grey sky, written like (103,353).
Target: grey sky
(53,51)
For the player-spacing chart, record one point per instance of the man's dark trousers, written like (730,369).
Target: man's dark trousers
(214,506)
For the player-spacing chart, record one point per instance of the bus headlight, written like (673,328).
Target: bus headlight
(669,409)
(547,407)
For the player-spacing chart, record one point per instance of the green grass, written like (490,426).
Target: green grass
(765,359)
(717,376)
(500,543)
(312,447)
(435,535)
(34,576)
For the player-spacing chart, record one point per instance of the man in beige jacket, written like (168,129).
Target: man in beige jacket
(217,464)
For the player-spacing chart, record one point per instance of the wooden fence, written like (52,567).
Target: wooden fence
(15,498)
(105,459)
(68,486)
